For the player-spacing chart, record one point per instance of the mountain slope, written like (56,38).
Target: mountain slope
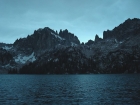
(44,39)
(49,52)
(131,27)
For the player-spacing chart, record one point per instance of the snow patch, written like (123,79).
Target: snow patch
(7,66)
(56,60)
(57,36)
(7,47)
(49,59)
(116,41)
(121,42)
(73,44)
(23,59)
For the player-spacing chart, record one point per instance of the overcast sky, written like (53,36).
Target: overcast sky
(84,18)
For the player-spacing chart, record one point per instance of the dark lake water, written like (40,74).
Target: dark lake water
(100,89)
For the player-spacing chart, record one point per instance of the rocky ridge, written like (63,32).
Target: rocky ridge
(48,52)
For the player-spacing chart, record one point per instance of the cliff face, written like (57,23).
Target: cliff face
(45,39)
(69,36)
(129,28)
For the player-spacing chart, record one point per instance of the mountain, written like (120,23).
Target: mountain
(48,52)
(26,50)
(44,39)
(130,28)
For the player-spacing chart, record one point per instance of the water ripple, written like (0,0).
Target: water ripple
(70,89)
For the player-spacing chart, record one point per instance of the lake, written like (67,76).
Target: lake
(92,89)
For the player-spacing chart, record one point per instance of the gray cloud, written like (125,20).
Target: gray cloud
(84,18)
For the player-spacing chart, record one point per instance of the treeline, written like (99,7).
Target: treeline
(119,61)
(71,60)
(62,66)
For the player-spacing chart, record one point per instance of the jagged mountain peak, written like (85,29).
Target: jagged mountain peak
(69,36)
(44,30)
(131,27)
(45,39)
(97,39)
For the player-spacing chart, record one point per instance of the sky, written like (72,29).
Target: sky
(84,18)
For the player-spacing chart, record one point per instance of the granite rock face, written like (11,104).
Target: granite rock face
(97,39)
(130,28)
(69,36)
(45,39)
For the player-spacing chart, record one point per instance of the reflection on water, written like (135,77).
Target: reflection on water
(70,89)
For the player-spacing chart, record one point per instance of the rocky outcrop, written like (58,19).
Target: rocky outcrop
(45,39)
(97,39)
(129,28)
(69,36)
(90,42)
